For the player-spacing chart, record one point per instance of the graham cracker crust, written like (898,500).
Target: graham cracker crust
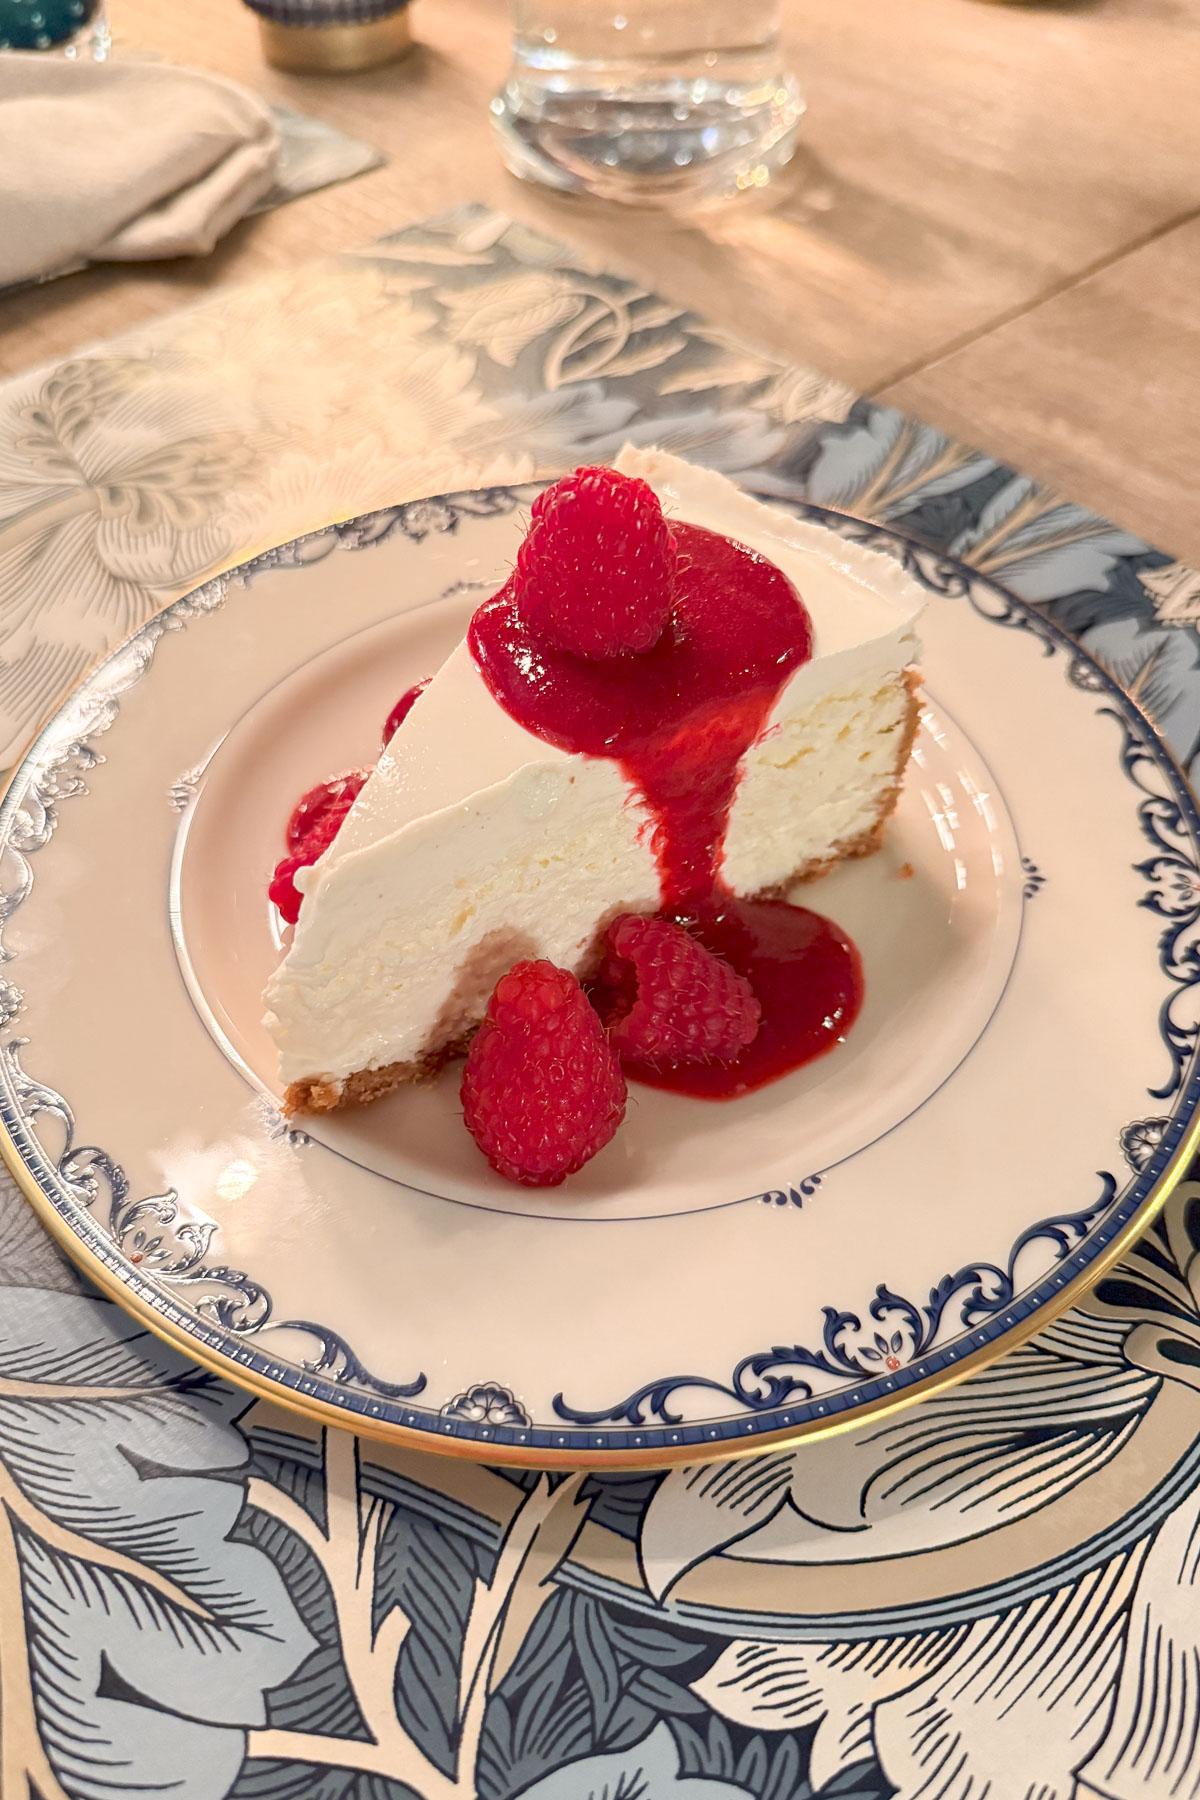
(315,1094)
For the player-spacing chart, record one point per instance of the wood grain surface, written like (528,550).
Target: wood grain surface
(994,220)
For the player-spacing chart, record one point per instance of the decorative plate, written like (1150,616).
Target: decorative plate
(1014,1103)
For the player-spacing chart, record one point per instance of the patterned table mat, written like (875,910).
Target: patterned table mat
(992,1594)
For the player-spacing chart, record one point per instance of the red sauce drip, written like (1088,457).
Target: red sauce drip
(678,721)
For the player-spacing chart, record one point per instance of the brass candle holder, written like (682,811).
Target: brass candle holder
(332,37)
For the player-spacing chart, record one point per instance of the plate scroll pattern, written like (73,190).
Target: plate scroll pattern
(893,1336)
(155,1235)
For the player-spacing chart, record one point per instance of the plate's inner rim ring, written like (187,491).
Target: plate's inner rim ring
(82,1225)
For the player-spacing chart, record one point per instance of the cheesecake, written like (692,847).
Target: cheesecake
(528,799)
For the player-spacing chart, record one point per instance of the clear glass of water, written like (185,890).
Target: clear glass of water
(73,28)
(658,102)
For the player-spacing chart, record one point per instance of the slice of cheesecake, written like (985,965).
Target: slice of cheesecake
(484,836)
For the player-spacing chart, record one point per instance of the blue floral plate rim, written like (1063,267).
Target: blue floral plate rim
(490,1424)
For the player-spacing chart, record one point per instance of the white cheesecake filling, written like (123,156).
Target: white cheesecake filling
(412,933)
(474,843)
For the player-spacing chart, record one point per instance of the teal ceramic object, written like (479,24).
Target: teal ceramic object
(43,24)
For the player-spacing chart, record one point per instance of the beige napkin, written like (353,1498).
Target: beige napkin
(122,161)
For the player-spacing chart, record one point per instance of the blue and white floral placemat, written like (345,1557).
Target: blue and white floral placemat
(993,1595)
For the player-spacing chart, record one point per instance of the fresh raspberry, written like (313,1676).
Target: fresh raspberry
(666,999)
(326,804)
(402,708)
(542,1090)
(596,572)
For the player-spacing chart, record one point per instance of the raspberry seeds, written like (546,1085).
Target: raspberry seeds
(542,1090)
(666,999)
(596,571)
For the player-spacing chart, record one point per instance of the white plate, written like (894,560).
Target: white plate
(1008,1111)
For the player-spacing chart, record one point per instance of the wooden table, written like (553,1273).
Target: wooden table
(994,221)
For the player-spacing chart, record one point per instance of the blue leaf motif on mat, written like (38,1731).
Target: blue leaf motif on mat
(885,466)
(650,1771)
(119,1466)
(589,1680)
(1157,1289)
(1040,546)
(28,1258)
(771,1767)
(430,1574)
(598,1660)
(1158,665)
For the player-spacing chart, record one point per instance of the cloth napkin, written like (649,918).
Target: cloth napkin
(123,162)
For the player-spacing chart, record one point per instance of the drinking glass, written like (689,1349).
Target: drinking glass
(662,102)
(74,28)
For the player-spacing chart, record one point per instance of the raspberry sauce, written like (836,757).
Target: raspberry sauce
(678,719)
(401,710)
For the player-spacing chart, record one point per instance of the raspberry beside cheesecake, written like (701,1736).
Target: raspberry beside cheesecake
(543,784)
